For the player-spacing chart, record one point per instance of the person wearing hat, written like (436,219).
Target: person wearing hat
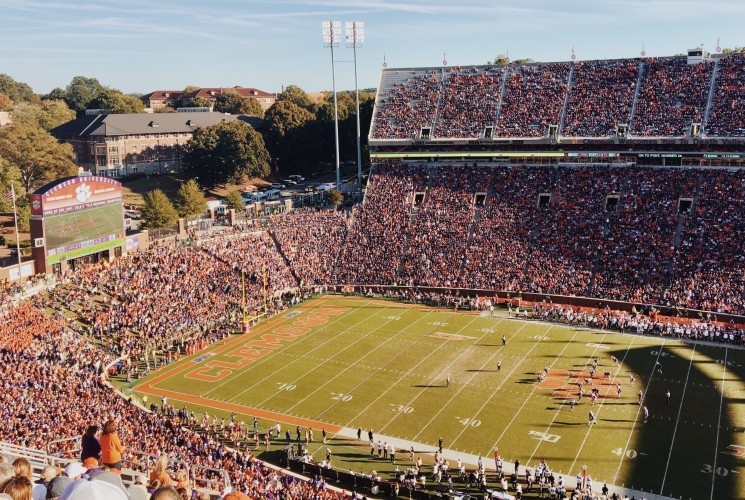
(82,489)
(57,486)
(40,488)
(75,470)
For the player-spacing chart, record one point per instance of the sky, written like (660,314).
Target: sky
(145,45)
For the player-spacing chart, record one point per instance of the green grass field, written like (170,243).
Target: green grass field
(343,363)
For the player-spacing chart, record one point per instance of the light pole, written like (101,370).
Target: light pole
(331,34)
(355,36)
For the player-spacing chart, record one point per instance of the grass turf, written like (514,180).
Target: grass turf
(343,363)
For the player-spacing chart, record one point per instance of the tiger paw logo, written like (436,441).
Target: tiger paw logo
(36,205)
(83,193)
(570,383)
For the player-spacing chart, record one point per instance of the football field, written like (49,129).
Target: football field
(414,375)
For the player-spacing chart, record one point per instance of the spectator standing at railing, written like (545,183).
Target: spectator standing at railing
(90,447)
(111,447)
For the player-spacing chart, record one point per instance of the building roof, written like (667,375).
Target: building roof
(162,95)
(146,123)
(213,92)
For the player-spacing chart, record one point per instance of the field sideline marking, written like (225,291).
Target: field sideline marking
(677,420)
(639,410)
(318,330)
(597,415)
(398,414)
(463,386)
(719,424)
(351,365)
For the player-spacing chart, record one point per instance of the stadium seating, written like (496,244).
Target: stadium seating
(726,117)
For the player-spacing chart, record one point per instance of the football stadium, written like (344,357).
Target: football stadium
(541,294)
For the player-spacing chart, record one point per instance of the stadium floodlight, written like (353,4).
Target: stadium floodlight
(331,32)
(355,36)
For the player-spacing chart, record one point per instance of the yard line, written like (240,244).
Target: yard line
(638,411)
(719,424)
(404,376)
(445,370)
(576,332)
(370,353)
(504,380)
(587,435)
(677,421)
(463,386)
(321,345)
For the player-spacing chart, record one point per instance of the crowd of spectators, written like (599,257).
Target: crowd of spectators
(462,102)
(376,234)
(21,323)
(709,264)
(607,232)
(726,117)
(469,102)
(672,96)
(408,106)
(533,99)
(601,97)
(311,241)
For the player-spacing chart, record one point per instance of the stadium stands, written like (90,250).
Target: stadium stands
(726,117)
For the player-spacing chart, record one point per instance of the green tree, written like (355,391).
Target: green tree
(191,88)
(284,116)
(190,199)
(234,200)
(500,59)
(45,115)
(116,102)
(158,210)
(236,104)
(81,91)
(17,91)
(198,102)
(734,50)
(524,61)
(38,156)
(164,109)
(334,197)
(225,152)
(24,214)
(297,96)
(8,174)
(56,94)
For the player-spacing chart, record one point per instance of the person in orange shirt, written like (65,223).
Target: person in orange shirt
(111,447)
(160,472)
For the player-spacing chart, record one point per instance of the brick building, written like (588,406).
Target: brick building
(123,144)
(178,99)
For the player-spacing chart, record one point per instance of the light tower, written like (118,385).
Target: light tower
(355,36)
(331,33)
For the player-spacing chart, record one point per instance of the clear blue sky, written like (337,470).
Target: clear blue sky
(140,46)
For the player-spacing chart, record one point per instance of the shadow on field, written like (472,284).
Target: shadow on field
(430,386)
(486,345)
(662,432)
(482,371)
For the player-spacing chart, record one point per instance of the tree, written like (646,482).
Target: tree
(334,197)
(116,102)
(158,210)
(524,61)
(45,115)
(17,91)
(8,174)
(735,50)
(297,96)
(81,91)
(234,200)
(199,102)
(225,152)
(190,199)
(500,59)
(236,104)
(39,157)
(284,116)
(56,94)
(191,88)
(164,109)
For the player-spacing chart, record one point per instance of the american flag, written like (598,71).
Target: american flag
(10,194)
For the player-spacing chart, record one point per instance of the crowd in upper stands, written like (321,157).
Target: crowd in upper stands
(726,116)
(594,98)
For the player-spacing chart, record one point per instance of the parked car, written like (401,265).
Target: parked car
(289,182)
(278,185)
(297,178)
(328,186)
